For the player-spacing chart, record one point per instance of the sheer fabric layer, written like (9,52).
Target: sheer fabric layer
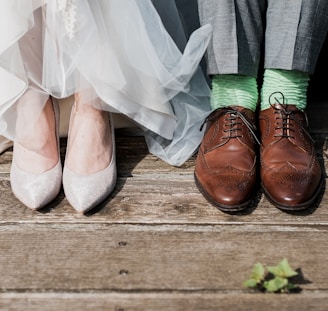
(121,52)
(21,60)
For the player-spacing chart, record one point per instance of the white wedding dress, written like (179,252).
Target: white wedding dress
(118,50)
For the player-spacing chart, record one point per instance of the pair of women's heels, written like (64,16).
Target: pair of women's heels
(83,191)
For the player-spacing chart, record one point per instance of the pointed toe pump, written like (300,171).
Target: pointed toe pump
(86,191)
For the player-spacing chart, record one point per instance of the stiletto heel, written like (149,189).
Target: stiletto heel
(84,192)
(37,190)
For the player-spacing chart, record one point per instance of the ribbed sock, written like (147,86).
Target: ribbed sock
(291,84)
(234,90)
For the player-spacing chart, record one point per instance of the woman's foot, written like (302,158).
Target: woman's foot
(90,168)
(36,169)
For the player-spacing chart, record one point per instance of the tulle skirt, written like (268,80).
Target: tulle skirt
(116,50)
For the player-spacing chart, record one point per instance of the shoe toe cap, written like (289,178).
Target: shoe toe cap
(227,191)
(85,192)
(292,189)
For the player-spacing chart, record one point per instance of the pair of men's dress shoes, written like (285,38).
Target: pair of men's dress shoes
(227,169)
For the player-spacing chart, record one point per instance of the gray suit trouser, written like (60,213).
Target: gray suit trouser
(292,32)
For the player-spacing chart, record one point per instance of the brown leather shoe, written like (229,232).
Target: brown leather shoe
(290,172)
(225,170)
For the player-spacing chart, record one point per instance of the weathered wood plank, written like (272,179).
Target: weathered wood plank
(82,257)
(133,159)
(155,244)
(151,191)
(147,201)
(161,302)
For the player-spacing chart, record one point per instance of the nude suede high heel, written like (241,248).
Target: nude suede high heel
(37,190)
(84,192)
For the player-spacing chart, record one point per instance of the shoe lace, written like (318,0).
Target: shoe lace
(285,118)
(233,123)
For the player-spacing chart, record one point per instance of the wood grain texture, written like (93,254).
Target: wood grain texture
(132,257)
(155,244)
(162,302)
(149,191)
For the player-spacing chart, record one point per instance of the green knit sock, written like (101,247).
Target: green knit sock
(291,84)
(234,90)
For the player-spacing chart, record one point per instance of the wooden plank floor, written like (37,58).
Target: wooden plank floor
(155,244)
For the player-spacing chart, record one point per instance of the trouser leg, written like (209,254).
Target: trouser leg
(295,33)
(237,35)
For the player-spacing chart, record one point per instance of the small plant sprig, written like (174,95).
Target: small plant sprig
(277,279)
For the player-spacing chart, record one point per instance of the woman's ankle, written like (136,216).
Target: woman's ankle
(36,148)
(89,147)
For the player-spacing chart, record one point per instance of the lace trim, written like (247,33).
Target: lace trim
(68,10)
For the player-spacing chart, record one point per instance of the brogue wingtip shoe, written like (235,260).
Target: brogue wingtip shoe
(225,170)
(290,171)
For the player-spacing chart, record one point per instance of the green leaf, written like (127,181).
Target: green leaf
(275,284)
(282,270)
(251,283)
(258,272)
(257,276)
